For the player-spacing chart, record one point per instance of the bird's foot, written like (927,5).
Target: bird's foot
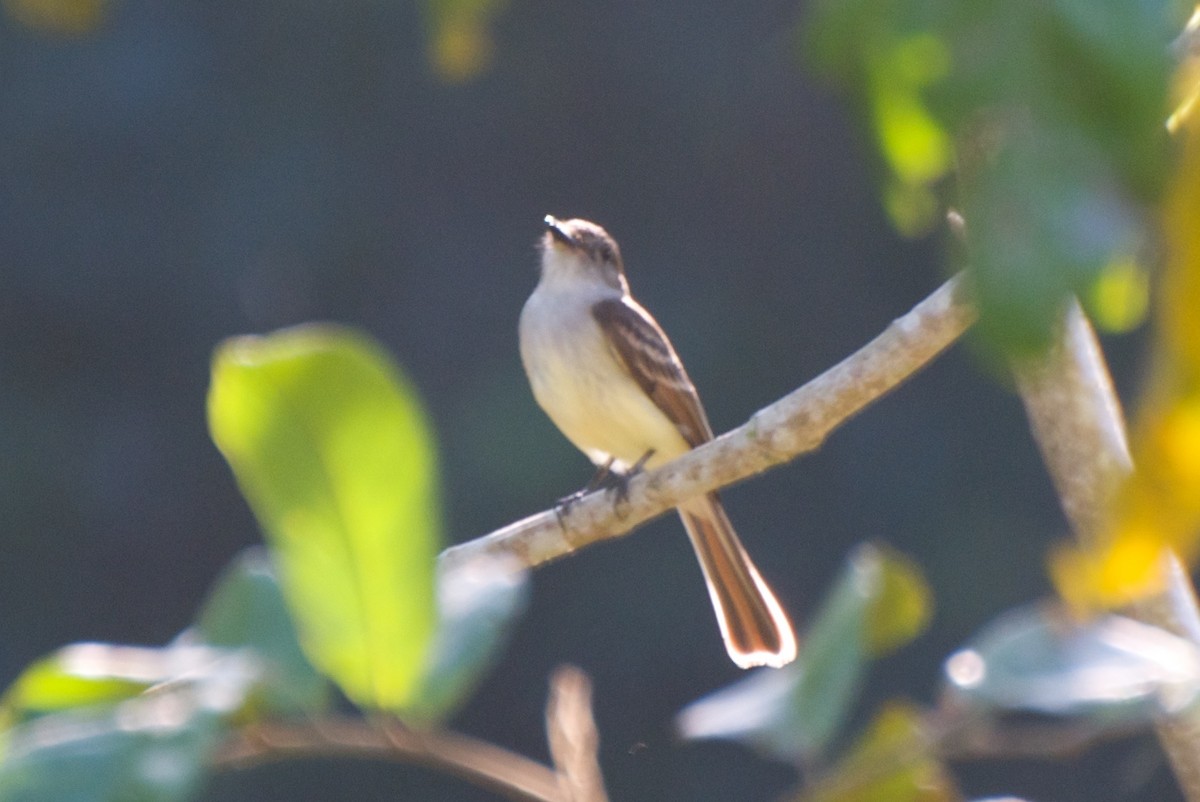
(602,479)
(618,485)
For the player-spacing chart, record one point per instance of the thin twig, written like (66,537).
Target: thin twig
(959,733)
(574,739)
(794,425)
(507,773)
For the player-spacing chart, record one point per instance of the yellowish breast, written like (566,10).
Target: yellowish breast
(579,382)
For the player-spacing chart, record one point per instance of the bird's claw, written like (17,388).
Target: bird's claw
(619,483)
(606,479)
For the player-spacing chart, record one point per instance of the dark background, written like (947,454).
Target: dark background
(193,170)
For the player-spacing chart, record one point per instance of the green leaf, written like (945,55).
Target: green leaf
(888,57)
(64,18)
(82,746)
(246,609)
(901,602)
(1111,671)
(835,657)
(879,602)
(332,450)
(94,675)
(86,675)
(1044,216)
(460,38)
(1050,113)
(478,602)
(1119,299)
(894,761)
(150,749)
(80,675)
(755,711)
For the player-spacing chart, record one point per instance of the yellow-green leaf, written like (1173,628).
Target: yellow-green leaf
(62,17)
(79,675)
(893,761)
(901,602)
(460,38)
(332,450)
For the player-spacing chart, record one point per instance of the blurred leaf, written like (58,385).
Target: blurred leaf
(1187,77)
(914,143)
(331,448)
(154,747)
(878,603)
(894,761)
(1120,297)
(460,42)
(753,710)
(883,54)
(85,747)
(1050,112)
(1110,574)
(1044,217)
(80,675)
(1110,670)
(63,17)
(246,609)
(1158,507)
(853,620)
(901,600)
(838,34)
(478,603)
(87,674)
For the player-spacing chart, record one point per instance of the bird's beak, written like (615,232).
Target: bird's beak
(555,227)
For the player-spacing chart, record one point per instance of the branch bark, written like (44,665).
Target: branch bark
(511,775)
(570,728)
(1077,423)
(573,736)
(796,424)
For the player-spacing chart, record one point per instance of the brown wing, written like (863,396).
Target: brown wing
(647,353)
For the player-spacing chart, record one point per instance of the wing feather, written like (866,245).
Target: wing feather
(644,349)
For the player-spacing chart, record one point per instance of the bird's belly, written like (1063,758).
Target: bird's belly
(599,407)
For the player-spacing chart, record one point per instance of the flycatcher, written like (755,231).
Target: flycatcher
(606,374)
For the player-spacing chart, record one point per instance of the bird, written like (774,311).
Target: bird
(604,372)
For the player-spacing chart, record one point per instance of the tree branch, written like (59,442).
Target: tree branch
(1077,423)
(507,773)
(574,739)
(796,424)
(570,728)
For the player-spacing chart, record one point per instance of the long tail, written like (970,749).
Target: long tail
(755,628)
